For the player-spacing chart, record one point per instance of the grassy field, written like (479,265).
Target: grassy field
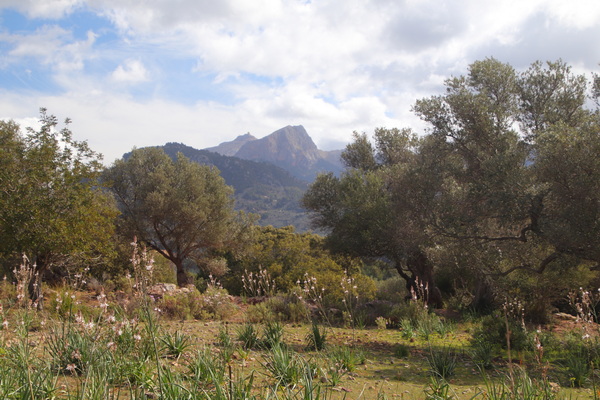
(85,345)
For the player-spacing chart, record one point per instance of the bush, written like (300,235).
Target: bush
(217,302)
(492,329)
(346,357)
(214,303)
(442,362)
(248,336)
(287,308)
(272,335)
(392,289)
(482,353)
(316,339)
(401,351)
(259,313)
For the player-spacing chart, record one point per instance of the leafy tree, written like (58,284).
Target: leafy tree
(359,208)
(505,180)
(51,206)
(179,208)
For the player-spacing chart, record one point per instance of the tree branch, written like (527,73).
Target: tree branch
(527,267)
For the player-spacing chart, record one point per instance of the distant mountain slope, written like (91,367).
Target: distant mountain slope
(260,187)
(290,148)
(231,148)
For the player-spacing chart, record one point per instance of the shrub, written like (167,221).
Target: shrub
(492,329)
(179,306)
(248,336)
(284,365)
(401,351)
(217,302)
(316,339)
(175,344)
(407,329)
(272,335)
(442,362)
(287,308)
(392,289)
(482,353)
(347,357)
(259,313)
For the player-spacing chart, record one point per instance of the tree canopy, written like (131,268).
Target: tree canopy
(179,208)
(505,179)
(52,208)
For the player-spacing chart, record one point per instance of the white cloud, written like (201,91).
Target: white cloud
(43,9)
(579,14)
(52,45)
(334,66)
(132,71)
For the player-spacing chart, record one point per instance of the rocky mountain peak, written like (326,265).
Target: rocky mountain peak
(290,148)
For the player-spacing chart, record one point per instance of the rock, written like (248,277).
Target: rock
(157,291)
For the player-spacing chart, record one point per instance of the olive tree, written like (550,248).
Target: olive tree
(52,208)
(179,208)
(505,179)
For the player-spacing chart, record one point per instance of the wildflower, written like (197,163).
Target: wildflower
(76,354)
(137,337)
(70,368)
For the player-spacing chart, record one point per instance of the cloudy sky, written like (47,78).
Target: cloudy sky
(138,73)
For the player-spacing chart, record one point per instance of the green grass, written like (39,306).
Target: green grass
(126,359)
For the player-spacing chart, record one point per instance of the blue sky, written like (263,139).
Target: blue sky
(131,73)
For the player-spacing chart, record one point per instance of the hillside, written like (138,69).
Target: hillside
(260,187)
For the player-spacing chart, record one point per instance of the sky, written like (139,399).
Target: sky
(132,73)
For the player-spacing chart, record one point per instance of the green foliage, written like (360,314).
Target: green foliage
(175,344)
(52,207)
(205,369)
(163,271)
(492,329)
(346,357)
(483,352)
(181,209)
(577,366)
(214,303)
(248,336)
(272,335)
(494,188)
(401,351)
(439,389)
(259,313)
(520,386)
(316,339)
(284,365)
(442,362)
(392,289)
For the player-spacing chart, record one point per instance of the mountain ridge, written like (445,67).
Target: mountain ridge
(290,148)
(269,175)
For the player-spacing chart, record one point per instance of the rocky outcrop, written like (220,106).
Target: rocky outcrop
(293,149)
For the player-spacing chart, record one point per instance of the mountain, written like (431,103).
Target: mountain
(231,148)
(259,187)
(290,148)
